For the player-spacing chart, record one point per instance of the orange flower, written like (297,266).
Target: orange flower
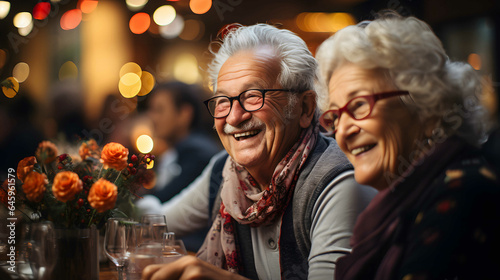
(103,195)
(34,186)
(24,167)
(46,152)
(89,149)
(114,155)
(66,185)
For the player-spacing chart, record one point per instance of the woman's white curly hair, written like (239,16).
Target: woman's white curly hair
(415,61)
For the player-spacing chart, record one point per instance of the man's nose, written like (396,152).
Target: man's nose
(237,114)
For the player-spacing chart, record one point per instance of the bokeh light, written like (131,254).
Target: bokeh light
(193,30)
(136,5)
(173,29)
(139,23)
(147,83)
(4,9)
(3,58)
(186,69)
(129,85)
(200,6)
(164,15)
(21,71)
(41,10)
(25,31)
(22,19)
(71,19)
(154,28)
(87,6)
(10,87)
(475,61)
(323,22)
(130,67)
(68,71)
(144,144)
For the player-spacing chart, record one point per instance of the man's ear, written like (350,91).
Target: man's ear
(308,106)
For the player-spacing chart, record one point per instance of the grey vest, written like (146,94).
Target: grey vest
(324,164)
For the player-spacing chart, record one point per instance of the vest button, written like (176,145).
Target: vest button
(272,244)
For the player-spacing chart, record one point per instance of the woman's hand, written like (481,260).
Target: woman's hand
(188,267)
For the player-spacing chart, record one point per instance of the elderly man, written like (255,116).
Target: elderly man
(288,200)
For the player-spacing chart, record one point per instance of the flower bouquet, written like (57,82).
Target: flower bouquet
(79,193)
(78,196)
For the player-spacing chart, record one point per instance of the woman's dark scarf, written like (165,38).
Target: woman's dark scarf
(376,252)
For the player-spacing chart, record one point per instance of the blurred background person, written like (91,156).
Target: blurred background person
(411,123)
(183,148)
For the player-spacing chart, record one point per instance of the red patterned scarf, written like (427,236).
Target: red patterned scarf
(243,201)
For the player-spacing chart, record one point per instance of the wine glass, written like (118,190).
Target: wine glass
(44,243)
(172,249)
(38,250)
(153,226)
(119,241)
(33,261)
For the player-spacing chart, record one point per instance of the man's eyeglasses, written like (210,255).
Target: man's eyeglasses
(250,100)
(359,108)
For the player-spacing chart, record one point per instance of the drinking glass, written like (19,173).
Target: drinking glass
(39,249)
(172,249)
(119,241)
(153,226)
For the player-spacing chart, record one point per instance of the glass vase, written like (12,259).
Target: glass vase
(77,254)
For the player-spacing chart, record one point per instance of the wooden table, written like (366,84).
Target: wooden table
(107,272)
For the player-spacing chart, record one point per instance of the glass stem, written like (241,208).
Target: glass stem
(121,272)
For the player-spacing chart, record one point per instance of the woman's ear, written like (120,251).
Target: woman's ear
(308,106)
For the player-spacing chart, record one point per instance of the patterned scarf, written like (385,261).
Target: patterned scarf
(243,201)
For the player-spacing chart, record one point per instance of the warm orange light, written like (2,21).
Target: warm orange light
(144,143)
(136,5)
(323,22)
(22,19)
(200,6)
(87,6)
(139,23)
(164,15)
(41,10)
(71,19)
(130,67)
(129,85)
(475,61)
(147,83)
(10,87)
(4,9)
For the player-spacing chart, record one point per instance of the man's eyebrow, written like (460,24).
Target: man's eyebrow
(219,93)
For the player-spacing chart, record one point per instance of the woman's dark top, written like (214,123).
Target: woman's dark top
(440,220)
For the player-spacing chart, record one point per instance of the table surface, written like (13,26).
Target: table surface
(107,272)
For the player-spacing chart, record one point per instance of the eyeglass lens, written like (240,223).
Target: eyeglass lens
(250,100)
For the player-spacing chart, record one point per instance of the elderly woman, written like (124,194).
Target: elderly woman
(409,121)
